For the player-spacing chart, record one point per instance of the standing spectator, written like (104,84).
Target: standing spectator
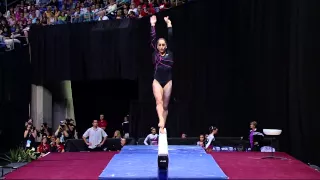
(201,141)
(30,135)
(152,138)
(45,130)
(95,135)
(255,137)
(126,127)
(102,123)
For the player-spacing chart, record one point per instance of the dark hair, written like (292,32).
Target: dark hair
(254,123)
(162,39)
(211,128)
(152,128)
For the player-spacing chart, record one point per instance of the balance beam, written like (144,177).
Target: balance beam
(163,159)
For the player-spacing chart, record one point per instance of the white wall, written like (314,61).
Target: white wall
(43,109)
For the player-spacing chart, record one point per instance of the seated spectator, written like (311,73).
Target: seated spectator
(44,147)
(201,141)
(56,145)
(183,135)
(95,135)
(152,139)
(123,142)
(112,6)
(117,134)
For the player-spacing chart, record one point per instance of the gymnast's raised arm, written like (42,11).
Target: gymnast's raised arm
(170,34)
(153,21)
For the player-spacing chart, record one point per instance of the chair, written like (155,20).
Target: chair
(273,133)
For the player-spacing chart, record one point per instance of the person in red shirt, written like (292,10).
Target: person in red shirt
(56,145)
(102,123)
(44,147)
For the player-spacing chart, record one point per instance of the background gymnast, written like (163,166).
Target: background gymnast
(163,62)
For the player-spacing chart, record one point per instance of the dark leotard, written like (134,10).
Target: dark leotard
(162,64)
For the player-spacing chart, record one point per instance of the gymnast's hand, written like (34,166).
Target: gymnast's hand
(168,21)
(153,20)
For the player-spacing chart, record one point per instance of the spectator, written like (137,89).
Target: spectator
(44,147)
(56,145)
(126,127)
(30,135)
(152,138)
(102,122)
(95,135)
(255,137)
(201,141)
(45,130)
(183,135)
(66,130)
(117,134)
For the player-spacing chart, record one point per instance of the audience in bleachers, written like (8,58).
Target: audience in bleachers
(15,23)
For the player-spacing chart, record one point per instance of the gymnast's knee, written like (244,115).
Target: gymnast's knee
(165,108)
(159,103)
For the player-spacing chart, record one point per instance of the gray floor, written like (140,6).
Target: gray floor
(9,170)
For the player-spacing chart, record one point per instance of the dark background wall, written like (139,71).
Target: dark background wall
(15,92)
(235,61)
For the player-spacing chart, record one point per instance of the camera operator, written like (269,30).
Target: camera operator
(45,130)
(30,121)
(30,135)
(66,130)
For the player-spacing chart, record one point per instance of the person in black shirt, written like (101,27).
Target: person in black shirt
(30,135)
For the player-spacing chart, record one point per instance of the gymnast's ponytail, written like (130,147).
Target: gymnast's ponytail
(212,128)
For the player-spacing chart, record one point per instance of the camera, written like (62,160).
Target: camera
(66,122)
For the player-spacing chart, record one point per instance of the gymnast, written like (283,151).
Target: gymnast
(211,138)
(163,62)
(152,138)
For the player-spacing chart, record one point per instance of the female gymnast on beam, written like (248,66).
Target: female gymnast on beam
(163,62)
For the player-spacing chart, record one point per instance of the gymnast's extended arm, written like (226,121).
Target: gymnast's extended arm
(153,35)
(210,139)
(170,33)
(146,140)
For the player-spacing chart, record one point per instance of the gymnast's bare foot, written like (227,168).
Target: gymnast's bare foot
(162,131)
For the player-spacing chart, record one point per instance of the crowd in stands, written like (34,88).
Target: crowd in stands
(16,21)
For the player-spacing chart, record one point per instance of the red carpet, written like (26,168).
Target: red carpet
(235,165)
(248,165)
(82,165)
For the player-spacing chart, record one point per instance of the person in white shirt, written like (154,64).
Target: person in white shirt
(210,138)
(112,6)
(97,137)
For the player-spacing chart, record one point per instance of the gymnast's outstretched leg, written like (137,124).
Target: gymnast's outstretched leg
(158,95)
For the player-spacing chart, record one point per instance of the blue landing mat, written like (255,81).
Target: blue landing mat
(154,149)
(193,165)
